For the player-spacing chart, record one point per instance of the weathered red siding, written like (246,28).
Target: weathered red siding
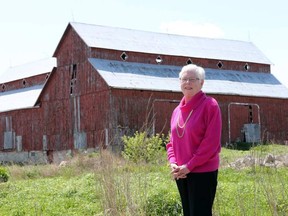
(178,60)
(273,117)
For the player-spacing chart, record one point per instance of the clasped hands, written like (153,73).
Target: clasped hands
(179,172)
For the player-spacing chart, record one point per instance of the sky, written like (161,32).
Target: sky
(30,30)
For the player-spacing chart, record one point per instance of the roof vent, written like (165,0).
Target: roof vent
(220,64)
(159,60)
(246,67)
(189,61)
(124,56)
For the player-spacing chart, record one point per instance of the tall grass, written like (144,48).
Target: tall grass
(106,184)
(254,189)
(117,187)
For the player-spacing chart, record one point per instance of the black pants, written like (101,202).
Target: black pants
(197,193)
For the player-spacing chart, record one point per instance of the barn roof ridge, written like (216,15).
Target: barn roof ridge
(153,32)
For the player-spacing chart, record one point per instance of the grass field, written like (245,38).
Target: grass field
(105,184)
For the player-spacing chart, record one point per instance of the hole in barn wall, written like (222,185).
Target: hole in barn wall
(24,82)
(3,87)
(220,64)
(124,56)
(250,118)
(73,79)
(189,61)
(159,60)
(246,67)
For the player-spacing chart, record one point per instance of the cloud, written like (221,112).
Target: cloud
(192,29)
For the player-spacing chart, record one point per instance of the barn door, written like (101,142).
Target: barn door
(244,122)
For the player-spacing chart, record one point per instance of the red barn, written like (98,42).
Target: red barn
(113,81)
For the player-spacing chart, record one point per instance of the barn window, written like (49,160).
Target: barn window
(124,56)
(3,87)
(73,79)
(246,67)
(220,64)
(159,60)
(189,61)
(24,82)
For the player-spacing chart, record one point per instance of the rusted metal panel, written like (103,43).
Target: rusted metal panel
(9,140)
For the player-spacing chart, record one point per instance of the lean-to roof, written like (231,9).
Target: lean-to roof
(20,99)
(139,76)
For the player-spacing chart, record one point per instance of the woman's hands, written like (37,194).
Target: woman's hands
(179,172)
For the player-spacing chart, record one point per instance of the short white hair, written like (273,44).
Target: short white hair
(199,71)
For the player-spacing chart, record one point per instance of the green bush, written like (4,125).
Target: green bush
(142,148)
(3,174)
(163,202)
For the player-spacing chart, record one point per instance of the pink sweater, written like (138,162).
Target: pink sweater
(200,145)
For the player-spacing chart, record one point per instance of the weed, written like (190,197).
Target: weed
(4,176)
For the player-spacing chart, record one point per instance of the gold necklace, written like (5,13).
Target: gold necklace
(182,126)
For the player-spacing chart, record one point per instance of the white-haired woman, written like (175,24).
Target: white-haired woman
(195,144)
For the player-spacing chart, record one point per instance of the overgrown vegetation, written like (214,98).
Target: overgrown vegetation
(4,176)
(144,148)
(139,184)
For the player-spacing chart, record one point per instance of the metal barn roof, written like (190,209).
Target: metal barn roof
(20,98)
(127,75)
(28,70)
(168,44)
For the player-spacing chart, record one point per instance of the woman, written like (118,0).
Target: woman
(194,147)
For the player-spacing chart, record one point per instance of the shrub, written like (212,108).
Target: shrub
(163,202)
(142,148)
(3,174)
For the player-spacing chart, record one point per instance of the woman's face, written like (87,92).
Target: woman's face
(190,83)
